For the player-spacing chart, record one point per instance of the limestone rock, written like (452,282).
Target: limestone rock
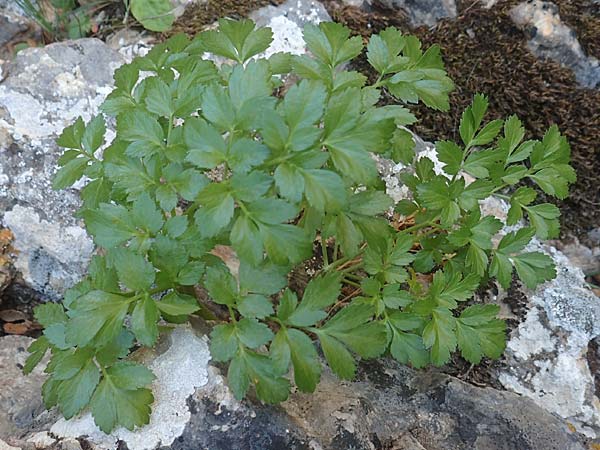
(546,357)
(551,38)
(46,90)
(20,395)
(287,21)
(389,406)
(424,12)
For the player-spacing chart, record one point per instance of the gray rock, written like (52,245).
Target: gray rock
(424,12)
(586,258)
(389,406)
(287,21)
(46,90)
(20,395)
(551,38)
(546,357)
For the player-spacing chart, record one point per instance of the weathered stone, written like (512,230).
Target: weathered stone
(586,258)
(20,395)
(546,357)
(424,12)
(388,407)
(551,38)
(46,90)
(287,21)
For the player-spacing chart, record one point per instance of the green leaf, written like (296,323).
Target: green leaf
(501,266)
(439,336)
(223,342)
(133,270)
(255,305)
(118,401)
(320,293)
(49,314)
(217,210)
(252,333)
(96,316)
(544,218)
(237,40)
(37,350)
(450,154)
(221,285)
(303,355)
(93,136)
(352,327)
(408,348)
(534,268)
(143,131)
(154,15)
(145,214)
(72,135)
(324,190)
(176,304)
(479,333)
(338,357)
(68,174)
(206,147)
(74,393)
(144,321)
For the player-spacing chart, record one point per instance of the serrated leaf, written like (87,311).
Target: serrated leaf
(255,306)
(439,336)
(320,293)
(117,403)
(96,316)
(176,304)
(144,321)
(479,333)
(37,350)
(133,270)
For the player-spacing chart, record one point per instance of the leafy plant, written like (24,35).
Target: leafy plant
(208,156)
(62,19)
(154,15)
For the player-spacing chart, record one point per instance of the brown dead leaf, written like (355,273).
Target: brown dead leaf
(17,328)
(12,315)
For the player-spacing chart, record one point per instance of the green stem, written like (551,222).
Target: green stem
(347,271)
(351,283)
(324,250)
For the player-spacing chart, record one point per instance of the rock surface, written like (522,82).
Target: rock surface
(287,21)
(551,38)
(424,12)
(546,357)
(389,406)
(20,395)
(45,90)
(13,23)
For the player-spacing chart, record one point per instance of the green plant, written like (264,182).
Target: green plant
(61,19)
(207,156)
(154,15)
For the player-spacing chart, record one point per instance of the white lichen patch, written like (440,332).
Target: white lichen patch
(179,372)
(51,255)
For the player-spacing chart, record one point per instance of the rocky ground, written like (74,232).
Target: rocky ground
(536,59)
